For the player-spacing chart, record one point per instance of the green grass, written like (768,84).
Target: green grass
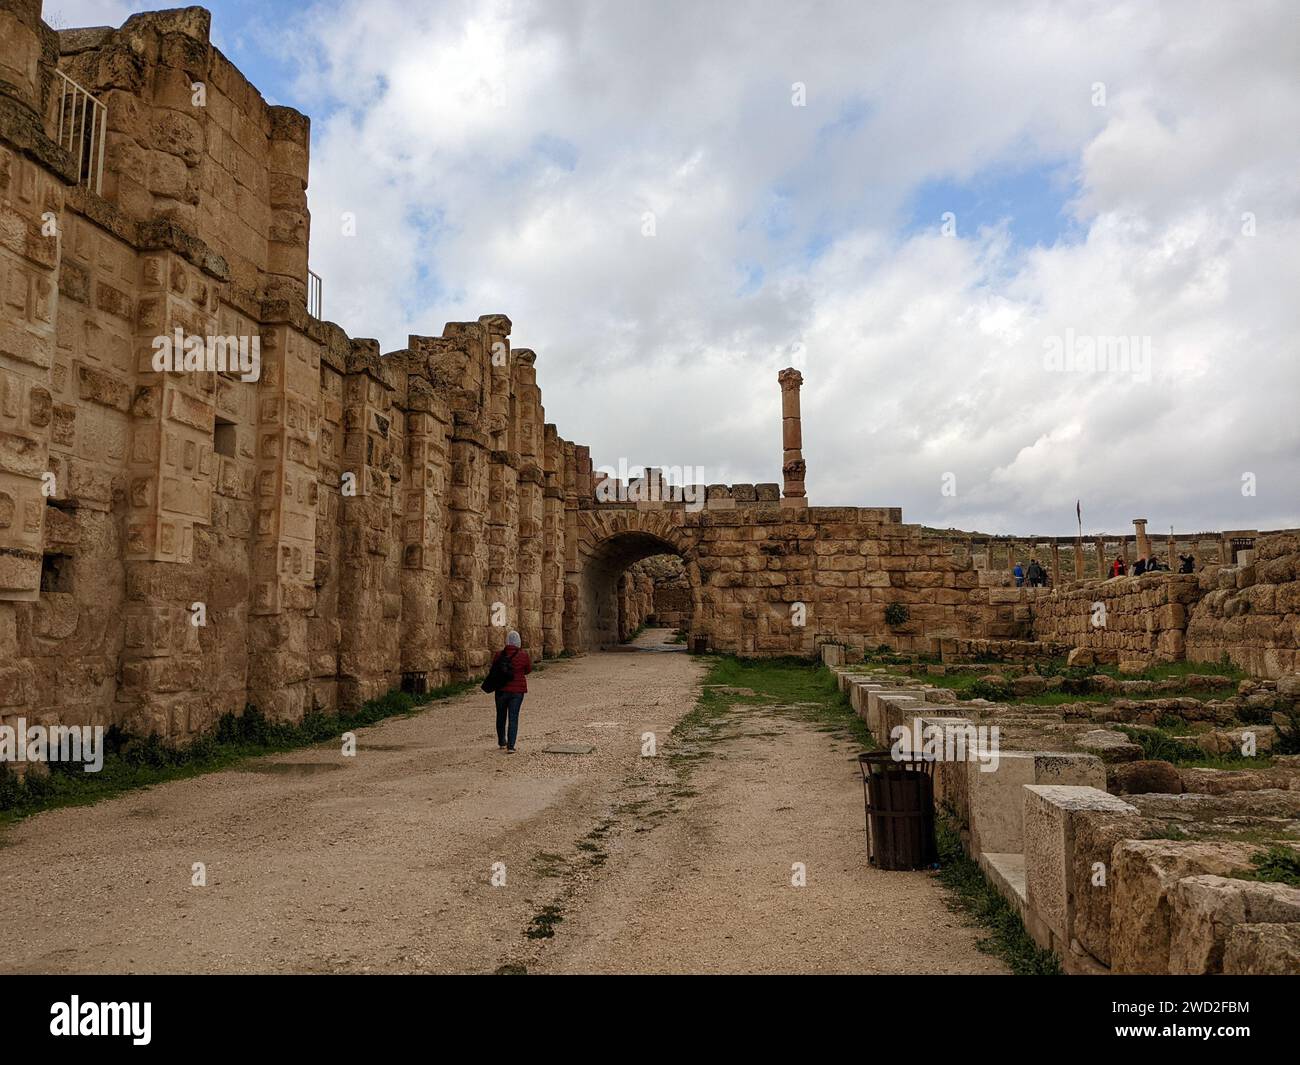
(1161,745)
(973,896)
(543,924)
(132,762)
(775,681)
(972,686)
(1277,865)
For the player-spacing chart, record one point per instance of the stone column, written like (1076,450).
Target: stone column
(1143,544)
(528,419)
(792,466)
(553,544)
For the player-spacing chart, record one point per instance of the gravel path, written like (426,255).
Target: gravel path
(385,861)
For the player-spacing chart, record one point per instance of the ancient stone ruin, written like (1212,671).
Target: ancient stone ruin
(283,516)
(353,520)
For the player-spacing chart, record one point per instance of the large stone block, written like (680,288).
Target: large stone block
(877,719)
(1262,950)
(1053,878)
(997,799)
(1143,875)
(858,692)
(1204,909)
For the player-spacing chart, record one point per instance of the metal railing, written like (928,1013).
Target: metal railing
(82,128)
(313,294)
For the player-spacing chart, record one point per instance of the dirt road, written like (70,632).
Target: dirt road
(394,860)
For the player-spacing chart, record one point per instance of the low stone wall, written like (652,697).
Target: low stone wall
(1094,876)
(1251,612)
(1248,612)
(1136,618)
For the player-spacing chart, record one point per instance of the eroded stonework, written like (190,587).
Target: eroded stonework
(176,545)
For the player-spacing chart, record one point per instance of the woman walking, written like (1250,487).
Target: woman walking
(510,695)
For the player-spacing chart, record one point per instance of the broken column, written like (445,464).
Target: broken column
(1143,544)
(792,466)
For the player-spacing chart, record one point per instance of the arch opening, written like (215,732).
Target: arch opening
(613,586)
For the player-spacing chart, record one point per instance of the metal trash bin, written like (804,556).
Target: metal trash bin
(899,797)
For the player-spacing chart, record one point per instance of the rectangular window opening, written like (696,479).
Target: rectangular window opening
(223,438)
(56,573)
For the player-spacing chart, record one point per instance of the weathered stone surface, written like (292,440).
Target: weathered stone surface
(1262,950)
(1093,843)
(1204,909)
(1052,875)
(1110,746)
(1143,875)
(997,800)
(1145,775)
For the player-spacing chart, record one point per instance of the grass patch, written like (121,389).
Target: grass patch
(1276,865)
(810,692)
(1168,832)
(132,762)
(542,926)
(1161,745)
(973,685)
(975,897)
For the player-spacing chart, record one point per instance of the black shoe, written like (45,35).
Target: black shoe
(510,750)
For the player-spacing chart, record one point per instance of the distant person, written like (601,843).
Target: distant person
(1156,566)
(1117,568)
(1186,564)
(1019,574)
(1139,567)
(1037,576)
(508,678)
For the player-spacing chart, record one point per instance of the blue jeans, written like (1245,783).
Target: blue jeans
(508,704)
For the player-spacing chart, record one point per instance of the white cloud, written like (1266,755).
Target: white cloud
(501,156)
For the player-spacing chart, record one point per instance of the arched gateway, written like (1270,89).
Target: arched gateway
(609,541)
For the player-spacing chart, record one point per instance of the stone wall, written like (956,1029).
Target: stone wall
(1248,610)
(636,599)
(1123,618)
(1251,612)
(175,545)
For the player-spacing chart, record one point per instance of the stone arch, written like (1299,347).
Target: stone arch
(608,542)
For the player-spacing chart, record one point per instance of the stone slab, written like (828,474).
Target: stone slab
(1052,876)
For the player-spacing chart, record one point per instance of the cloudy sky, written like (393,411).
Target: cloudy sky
(936,211)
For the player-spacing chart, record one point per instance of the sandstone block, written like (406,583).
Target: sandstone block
(1110,746)
(1053,878)
(1143,875)
(1142,776)
(997,795)
(1262,950)
(1204,909)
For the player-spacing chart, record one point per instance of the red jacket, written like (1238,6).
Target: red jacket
(518,684)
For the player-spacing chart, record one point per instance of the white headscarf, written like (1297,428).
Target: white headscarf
(512,639)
